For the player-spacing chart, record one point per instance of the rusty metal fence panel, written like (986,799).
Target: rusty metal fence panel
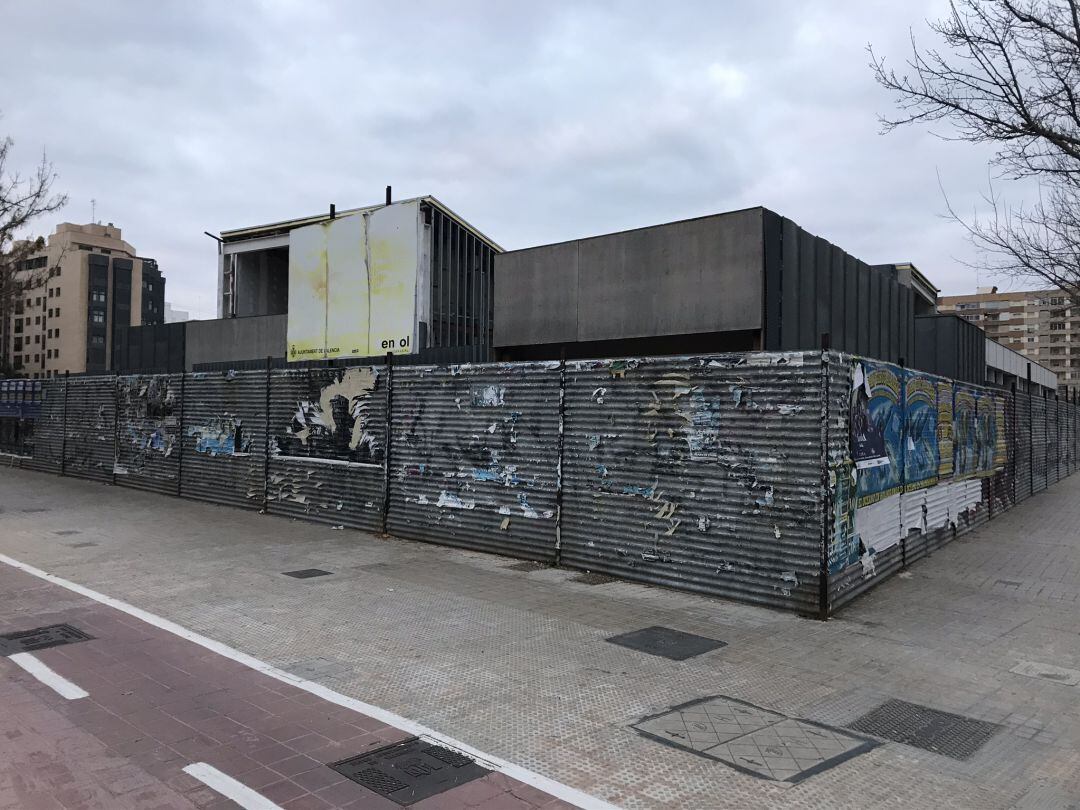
(149,410)
(699,473)
(474,457)
(224,438)
(49,429)
(328,445)
(90,433)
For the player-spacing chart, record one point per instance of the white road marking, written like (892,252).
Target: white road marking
(538,781)
(229,787)
(43,673)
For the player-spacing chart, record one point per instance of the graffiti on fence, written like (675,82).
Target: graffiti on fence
(334,422)
(222,436)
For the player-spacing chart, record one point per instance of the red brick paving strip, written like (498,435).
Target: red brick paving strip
(159,703)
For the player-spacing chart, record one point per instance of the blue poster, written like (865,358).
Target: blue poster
(921,462)
(877,430)
(966,431)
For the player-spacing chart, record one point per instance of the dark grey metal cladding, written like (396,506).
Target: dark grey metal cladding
(224,442)
(91,413)
(49,428)
(698,473)
(338,477)
(1052,441)
(148,435)
(1038,443)
(474,457)
(1023,478)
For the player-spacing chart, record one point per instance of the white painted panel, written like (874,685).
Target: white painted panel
(394,256)
(307,293)
(348,301)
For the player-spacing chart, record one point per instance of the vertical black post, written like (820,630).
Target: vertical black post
(180,438)
(1031,433)
(560,448)
(826,492)
(63,424)
(116,425)
(266,437)
(389,422)
(1013,445)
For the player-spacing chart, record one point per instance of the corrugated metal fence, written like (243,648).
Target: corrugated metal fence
(730,475)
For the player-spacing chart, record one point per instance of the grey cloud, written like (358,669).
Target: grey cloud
(537,123)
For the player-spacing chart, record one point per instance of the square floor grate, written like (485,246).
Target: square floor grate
(307,573)
(951,735)
(667,643)
(410,771)
(40,638)
(754,740)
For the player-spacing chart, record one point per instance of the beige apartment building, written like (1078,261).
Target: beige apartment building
(1040,324)
(84,287)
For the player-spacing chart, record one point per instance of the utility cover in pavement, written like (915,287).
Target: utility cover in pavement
(308,573)
(754,740)
(410,771)
(40,638)
(951,735)
(667,643)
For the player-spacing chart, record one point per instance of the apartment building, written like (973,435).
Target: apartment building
(84,285)
(1043,325)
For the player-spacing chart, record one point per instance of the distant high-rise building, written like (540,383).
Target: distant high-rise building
(85,284)
(1041,324)
(175,315)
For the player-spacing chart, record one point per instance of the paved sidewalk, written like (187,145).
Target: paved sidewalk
(513,660)
(157,703)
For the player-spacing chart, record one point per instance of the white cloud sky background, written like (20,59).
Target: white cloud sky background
(537,124)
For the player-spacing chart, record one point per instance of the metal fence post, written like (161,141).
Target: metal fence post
(266,437)
(389,421)
(180,439)
(826,493)
(63,427)
(1013,446)
(560,447)
(116,424)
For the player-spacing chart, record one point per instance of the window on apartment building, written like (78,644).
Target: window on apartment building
(56,333)
(97,317)
(1056,302)
(97,340)
(18,344)
(58,313)
(18,325)
(1057,326)
(48,333)
(106,251)
(98,296)
(50,292)
(37,338)
(37,301)
(37,358)
(37,320)
(28,303)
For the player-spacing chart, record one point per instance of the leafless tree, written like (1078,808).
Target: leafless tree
(23,200)
(1009,75)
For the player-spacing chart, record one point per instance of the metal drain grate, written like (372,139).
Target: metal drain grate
(667,643)
(410,771)
(40,638)
(307,573)
(951,735)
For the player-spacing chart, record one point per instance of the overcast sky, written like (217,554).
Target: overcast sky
(536,123)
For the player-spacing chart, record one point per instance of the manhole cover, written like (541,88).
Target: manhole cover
(590,578)
(40,638)
(308,573)
(951,735)
(667,643)
(67,532)
(752,739)
(411,771)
